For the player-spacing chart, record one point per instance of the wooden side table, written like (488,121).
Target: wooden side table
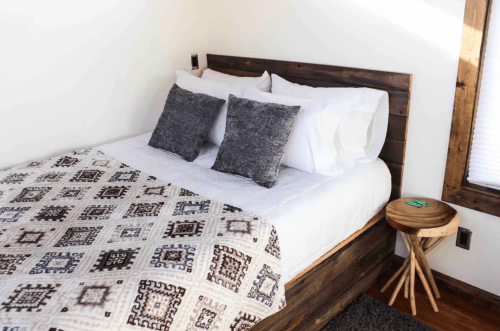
(435,222)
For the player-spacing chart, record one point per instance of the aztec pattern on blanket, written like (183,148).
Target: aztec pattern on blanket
(88,243)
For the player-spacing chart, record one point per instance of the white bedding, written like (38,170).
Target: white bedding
(312,213)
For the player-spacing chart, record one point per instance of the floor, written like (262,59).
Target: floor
(455,313)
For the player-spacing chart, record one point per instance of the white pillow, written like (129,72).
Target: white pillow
(215,89)
(363,135)
(263,82)
(311,146)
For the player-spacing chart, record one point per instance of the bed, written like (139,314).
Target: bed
(355,197)
(342,263)
(334,241)
(323,289)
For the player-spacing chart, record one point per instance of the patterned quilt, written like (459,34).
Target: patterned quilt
(88,243)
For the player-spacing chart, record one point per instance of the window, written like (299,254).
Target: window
(472,175)
(484,160)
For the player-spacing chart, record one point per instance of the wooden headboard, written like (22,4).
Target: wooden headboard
(398,86)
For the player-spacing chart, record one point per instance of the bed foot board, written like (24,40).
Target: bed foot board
(336,305)
(327,289)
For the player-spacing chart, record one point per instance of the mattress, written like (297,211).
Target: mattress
(311,213)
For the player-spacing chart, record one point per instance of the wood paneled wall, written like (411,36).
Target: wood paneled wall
(397,85)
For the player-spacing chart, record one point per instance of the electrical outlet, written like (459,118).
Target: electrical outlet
(194,62)
(463,238)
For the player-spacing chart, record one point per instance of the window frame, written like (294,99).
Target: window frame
(456,188)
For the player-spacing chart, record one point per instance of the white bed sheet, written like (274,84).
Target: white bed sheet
(312,213)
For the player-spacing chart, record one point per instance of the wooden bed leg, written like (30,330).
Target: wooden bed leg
(412,283)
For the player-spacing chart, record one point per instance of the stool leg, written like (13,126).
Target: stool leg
(426,243)
(407,284)
(401,269)
(398,287)
(408,247)
(419,254)
(407,243)
(426,287)
(434,244)
(412,283)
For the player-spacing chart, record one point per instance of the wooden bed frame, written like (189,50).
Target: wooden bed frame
(333,281)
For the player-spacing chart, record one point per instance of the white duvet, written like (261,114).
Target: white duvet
(312,213)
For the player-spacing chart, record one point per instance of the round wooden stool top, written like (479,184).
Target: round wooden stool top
(436,220)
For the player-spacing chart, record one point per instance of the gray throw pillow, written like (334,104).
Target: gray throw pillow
(185,122)
(255,139)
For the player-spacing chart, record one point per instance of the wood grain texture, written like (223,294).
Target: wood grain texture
(393,151)
(468,292)
(475,199)
(395,192)
(398,101)
(401,270)
(326,284)
(302,276)
(328,295)
(335,305)
(338,265)
(329,260)
(456,189)
(412,283)
(458,309)
(412,220)
(427,288)
(462,290)
(407,287)
(403,278)
(428,222)
(468,79)
(424,245)
(397,127)
(422,260)
(397,85)
(442,231)
(396,170)
(352,76)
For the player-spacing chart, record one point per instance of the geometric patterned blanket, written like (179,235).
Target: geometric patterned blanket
(88,243)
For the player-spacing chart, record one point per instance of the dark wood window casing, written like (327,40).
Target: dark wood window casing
(456,188)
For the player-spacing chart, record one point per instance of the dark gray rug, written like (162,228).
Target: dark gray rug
(368,314)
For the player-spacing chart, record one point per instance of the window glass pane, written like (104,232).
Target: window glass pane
(484,165)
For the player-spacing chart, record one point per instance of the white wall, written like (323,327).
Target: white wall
(81,73)
(421,37)
(75,74)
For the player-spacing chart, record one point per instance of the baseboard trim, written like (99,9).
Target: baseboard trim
(466,291)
